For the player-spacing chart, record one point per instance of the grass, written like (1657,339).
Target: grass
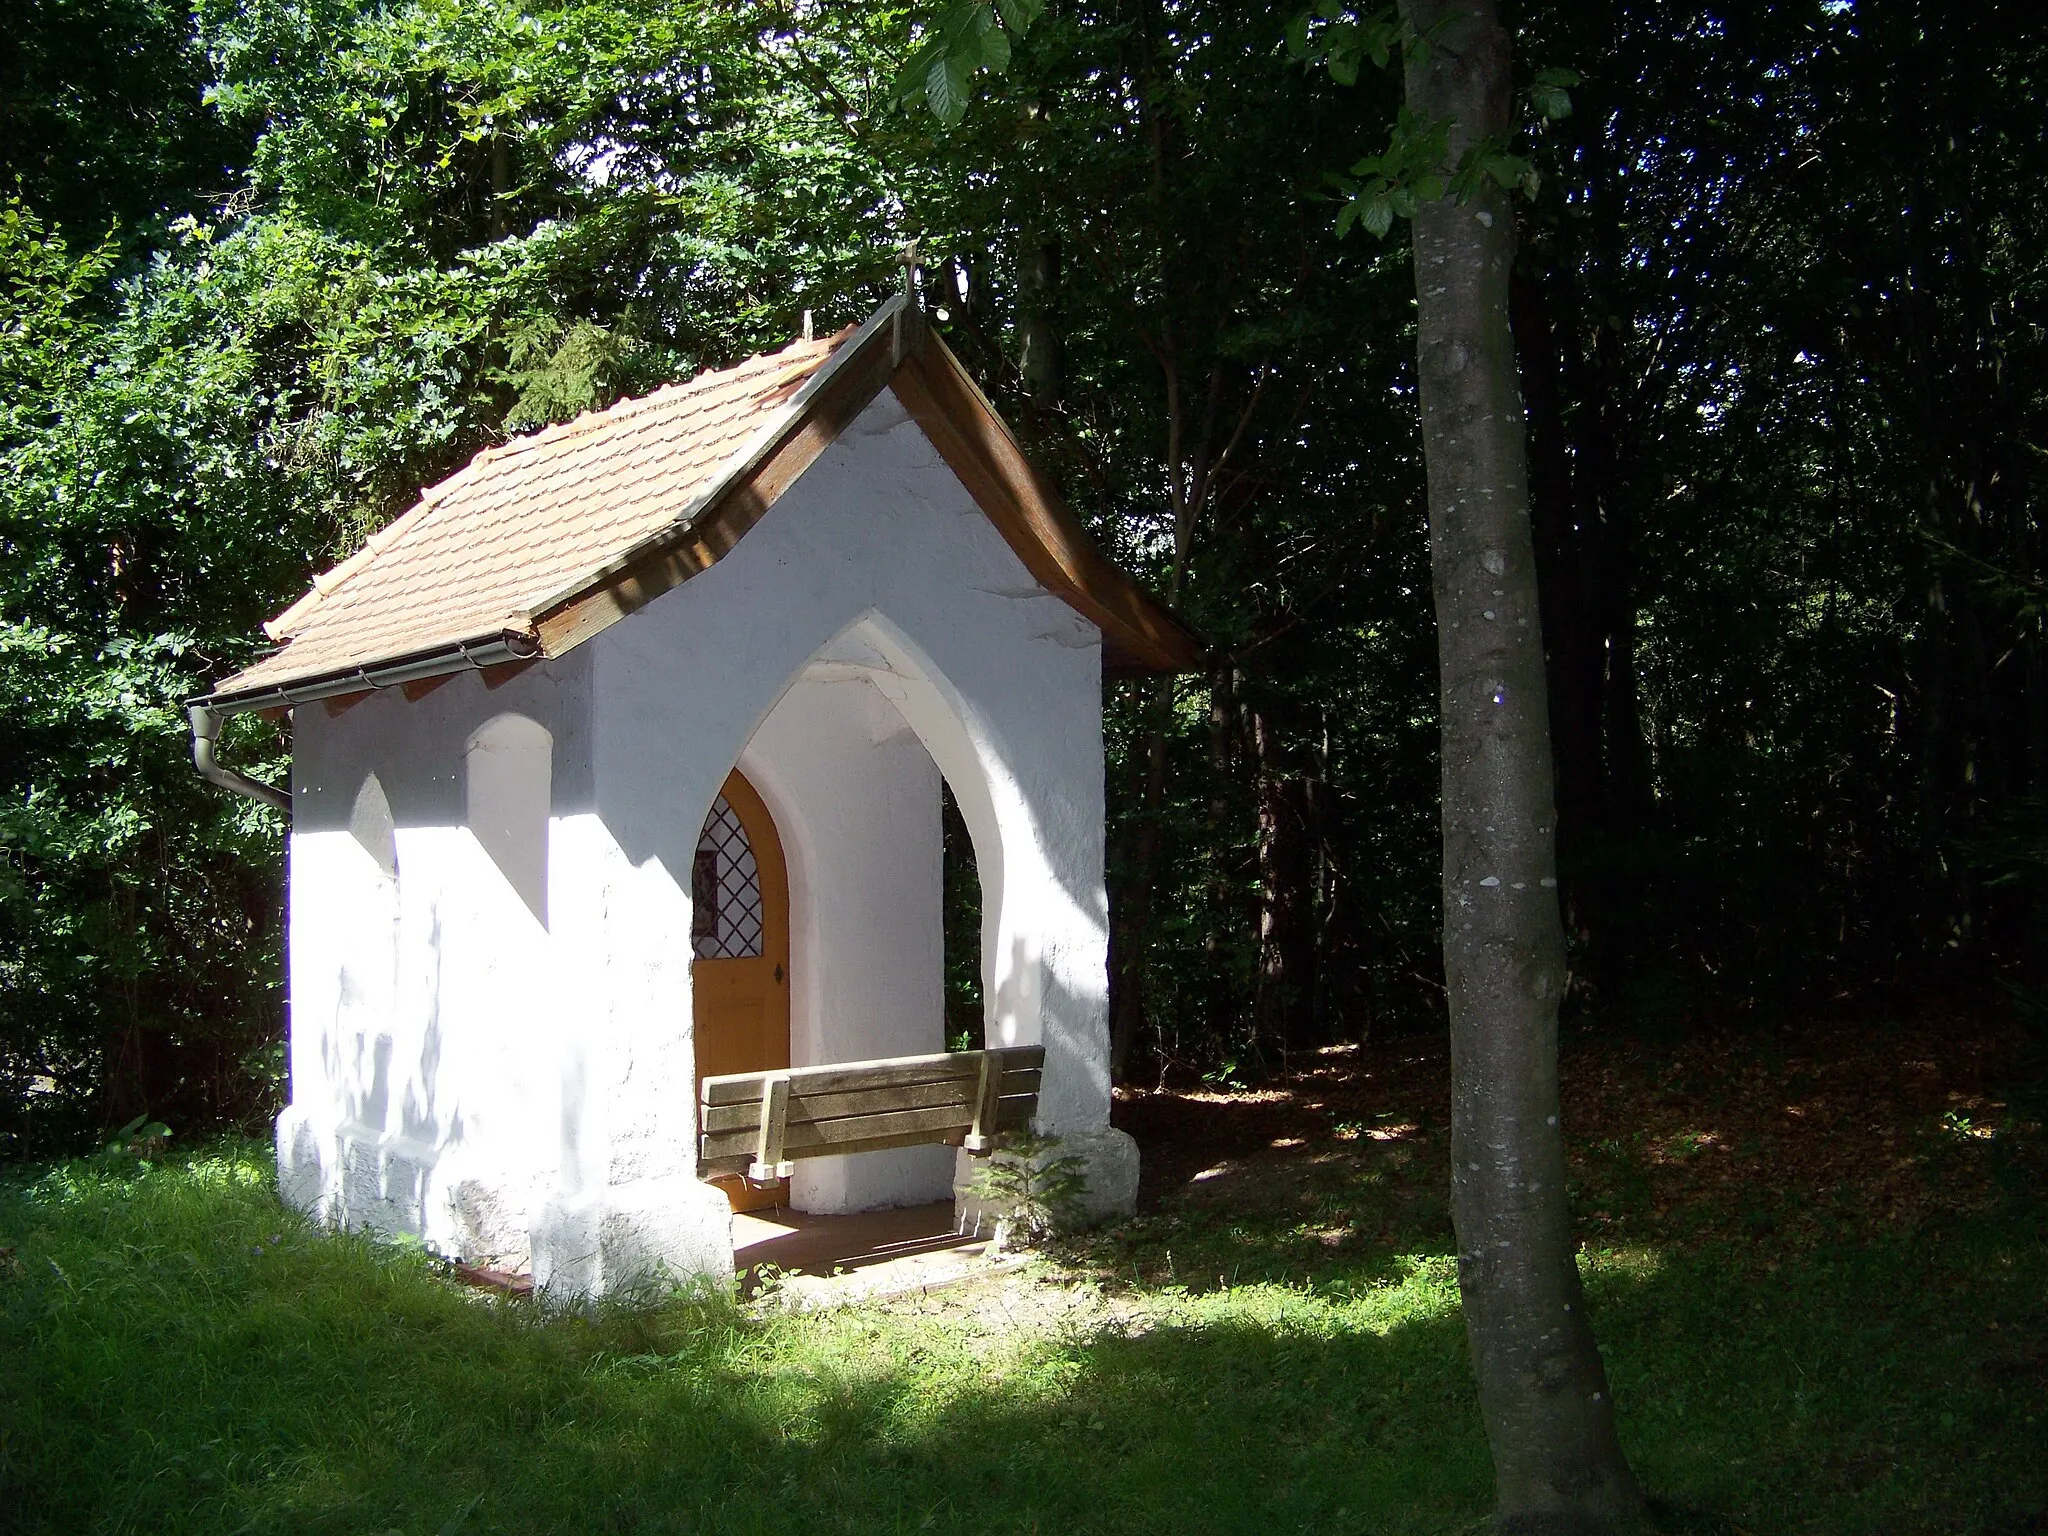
(1882,1383)
(178,1354)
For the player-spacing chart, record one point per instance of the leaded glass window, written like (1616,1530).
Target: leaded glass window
(725,889)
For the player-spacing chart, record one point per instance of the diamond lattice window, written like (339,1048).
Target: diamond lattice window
(725,890)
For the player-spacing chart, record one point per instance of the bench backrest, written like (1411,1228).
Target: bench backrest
(762,1122)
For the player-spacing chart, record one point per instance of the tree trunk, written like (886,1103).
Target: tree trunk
(1222,988)
(2036,688)
(1570,640)
(1131,917)
(1285,992)
(1585,574)
(1557,1461)
(1039,357)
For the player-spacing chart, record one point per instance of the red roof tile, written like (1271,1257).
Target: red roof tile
(523,521)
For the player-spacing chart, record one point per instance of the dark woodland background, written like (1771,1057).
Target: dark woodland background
(268,267)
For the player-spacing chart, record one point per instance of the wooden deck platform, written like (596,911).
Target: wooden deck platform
(832,1259)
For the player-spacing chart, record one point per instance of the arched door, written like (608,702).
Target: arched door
(739,931)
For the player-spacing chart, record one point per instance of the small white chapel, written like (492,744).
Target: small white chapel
(616,769)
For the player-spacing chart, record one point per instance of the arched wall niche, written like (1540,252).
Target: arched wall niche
(374,828)
(508,768)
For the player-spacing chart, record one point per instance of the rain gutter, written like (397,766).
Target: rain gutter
(207,713)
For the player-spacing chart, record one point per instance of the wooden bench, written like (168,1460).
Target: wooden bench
(762,1123)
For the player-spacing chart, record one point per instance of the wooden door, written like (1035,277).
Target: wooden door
(739,931)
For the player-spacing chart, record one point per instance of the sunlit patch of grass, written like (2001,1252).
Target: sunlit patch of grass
(180,1354)
(1381,1127)
(1963,1126)
(177,1353)
(1685,1146)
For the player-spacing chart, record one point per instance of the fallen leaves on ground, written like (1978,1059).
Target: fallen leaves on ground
(1855,1115)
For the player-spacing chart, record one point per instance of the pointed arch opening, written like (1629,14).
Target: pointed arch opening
(508,770)
(372,825)
(899,801)
(880,855)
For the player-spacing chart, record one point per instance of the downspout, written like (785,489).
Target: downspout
(205,733)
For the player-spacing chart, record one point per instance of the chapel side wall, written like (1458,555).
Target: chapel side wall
(856,800)
(428,975)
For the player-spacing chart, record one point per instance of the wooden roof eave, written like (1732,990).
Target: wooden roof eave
(895,351)
(1139,634)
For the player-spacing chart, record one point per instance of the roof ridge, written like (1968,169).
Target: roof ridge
(631,405)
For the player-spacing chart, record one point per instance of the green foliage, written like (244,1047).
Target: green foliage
(561,370)
(1778,337)
(1342,40)
(1414,166)
(1409,172)
(135,904)
(965,39)
(101,122)
(1746,361)
(136,1144)
(960,891)
(454,222)
(1550,93)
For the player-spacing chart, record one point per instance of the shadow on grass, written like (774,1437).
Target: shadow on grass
(182,1356)
(176,1355)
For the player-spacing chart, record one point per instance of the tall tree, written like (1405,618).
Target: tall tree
(1544,1394)
(1777,325)
(1549,1415)
(102,117)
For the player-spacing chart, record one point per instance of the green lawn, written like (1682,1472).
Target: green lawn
(178,1354)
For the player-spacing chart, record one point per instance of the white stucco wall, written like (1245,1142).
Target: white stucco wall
(512,1076)
(855,797)
(427,992)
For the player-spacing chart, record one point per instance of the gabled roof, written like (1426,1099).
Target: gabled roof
(536,545)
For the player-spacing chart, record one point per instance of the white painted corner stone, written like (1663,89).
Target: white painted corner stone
(630,1238)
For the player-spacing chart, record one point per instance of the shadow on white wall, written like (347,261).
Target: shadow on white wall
(507,775)
(372,825)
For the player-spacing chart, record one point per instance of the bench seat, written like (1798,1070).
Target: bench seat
(761,1123)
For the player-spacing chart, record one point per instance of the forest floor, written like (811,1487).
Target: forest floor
(1816,1253)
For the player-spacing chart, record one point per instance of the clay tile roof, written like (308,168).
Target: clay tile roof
(520,522)
(539,543)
